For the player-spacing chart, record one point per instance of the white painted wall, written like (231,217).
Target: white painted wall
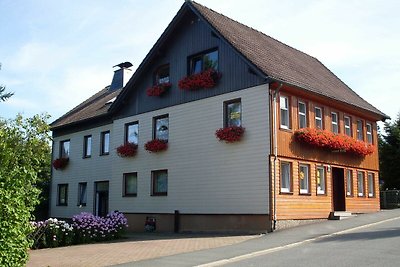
(205,176)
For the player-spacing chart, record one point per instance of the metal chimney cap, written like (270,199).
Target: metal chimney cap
(124,65)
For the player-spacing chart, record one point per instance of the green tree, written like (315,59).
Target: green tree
(3,94)
(389,154)
(24,156)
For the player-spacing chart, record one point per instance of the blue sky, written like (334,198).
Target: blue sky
(56,54)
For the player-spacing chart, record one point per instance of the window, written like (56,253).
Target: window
(162,75)
(130,184)
(161,129)
(360,135)
(286,177)
(159,183)
(87,146)
(371,185)
(349,183)
(64,149)
(369,133)
(360,184)
(285,116)
(82,195)
(204,61)
(302,115)
(105,143)
(304,178)
(132,132)
(233,113)
(62,195)
(318,118)
(347,125)
(321,184)
(334,119)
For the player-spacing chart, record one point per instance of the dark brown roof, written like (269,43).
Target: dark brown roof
(97,105)
(282,62)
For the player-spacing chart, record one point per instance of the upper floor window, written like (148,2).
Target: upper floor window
(159,183)
(369,132)
(335,125)
(371,185)
(64,148)
(233,113)
(62,194)
(349,183)
(285,115)
(161,127)
(286,181)
(130,184)
(304,177)
(87,146)
(360,184)
(132,132)
(302,115)
(318,118)
(82,195)
(105,143)
(203,61)
(347,125)
(162,75)
(321,181)
(360,135)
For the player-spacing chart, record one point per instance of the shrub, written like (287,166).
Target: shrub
(52,233)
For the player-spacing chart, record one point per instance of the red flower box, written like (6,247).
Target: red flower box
(333,142)
(158,90)
(60,163)
(230,134)
(204,79)
(156,145)
(127,150)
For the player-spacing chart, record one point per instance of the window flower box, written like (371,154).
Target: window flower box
(333,142)
(60,163)
(230,134)
(158,89)
(205,79)
(127,150)
(156,145)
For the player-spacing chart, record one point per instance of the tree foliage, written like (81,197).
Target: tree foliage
(389,154)
(24,158)
(3,94)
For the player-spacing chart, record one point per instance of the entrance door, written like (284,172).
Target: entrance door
(339,203)
(101,199)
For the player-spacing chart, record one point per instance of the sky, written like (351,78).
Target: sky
(56,54)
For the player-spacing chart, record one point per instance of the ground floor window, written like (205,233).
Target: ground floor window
(349,183)
(62,194)
(304,177)
(159,182)
(321,184)
(360,184)
(82,195)
(130,184)
(371,185)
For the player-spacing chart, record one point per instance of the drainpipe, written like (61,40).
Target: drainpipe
(275,147)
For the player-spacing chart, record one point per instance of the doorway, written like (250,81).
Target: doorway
(101,199)
(338,193)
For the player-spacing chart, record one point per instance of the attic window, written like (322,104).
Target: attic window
(111,100)
(203,61)
(162,75)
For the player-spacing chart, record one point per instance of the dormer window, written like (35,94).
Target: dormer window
(162,75)
(203,61)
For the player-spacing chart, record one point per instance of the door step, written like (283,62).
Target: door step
(340,215)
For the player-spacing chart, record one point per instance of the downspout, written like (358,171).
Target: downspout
(275,147)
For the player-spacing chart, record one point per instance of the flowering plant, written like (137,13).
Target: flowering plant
(60,163)
(51,233)
(156,145)
(230,134)
(127,150)
(158,89)
(333,142)
(204,79)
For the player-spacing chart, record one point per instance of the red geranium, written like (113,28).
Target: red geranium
(158,90)
(60,163)
(204,79)
(156,145)
(127,150)
(333,142)
(230,134)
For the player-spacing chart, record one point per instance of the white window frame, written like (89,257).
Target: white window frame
(347,127)
(371,182)
(284,105)
(360,186)
(321,189)
(307,177)
(319,119)
(360,133)
(349,183)
(335,124)
(302,114)
(288,179)
(369,132)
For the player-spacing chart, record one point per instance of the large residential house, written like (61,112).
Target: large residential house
(220,128)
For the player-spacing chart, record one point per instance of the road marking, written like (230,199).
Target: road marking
(271,250)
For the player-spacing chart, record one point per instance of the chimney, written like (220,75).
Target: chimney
(121,76)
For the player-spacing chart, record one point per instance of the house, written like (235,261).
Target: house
(297,142)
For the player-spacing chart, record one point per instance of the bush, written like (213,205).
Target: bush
(52,233)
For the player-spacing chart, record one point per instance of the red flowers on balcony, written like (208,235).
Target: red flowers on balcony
(230,134)
(205,79)
(158,90)
(333,142)
(156,145)
(127,150)
(60,163)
